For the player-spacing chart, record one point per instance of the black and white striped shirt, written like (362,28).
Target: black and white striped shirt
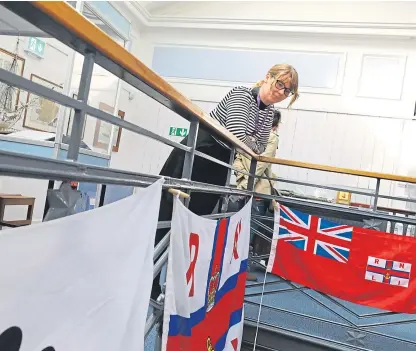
(237,112)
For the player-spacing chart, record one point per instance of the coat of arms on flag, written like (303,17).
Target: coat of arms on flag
(388,271)
(343,261)
(205,281)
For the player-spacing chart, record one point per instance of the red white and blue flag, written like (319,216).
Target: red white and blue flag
(205,281)
(344,261)
(314,234)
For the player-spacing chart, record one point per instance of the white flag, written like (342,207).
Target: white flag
(205,281)
(82,282)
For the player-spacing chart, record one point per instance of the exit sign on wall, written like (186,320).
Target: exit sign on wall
(183,132)
(36,46)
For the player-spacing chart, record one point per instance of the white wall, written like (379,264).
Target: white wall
(355,51)
(139,153)
(340,128)
(348,141)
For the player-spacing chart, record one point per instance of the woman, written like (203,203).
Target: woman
(261,186)
(245,112)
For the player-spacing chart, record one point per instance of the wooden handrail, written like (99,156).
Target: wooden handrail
(64,14)
(341,170)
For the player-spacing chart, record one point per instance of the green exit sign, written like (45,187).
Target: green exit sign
(36,46)
(183,132)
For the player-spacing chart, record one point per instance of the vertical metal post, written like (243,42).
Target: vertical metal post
(79,117)
(51,184)
(189,156)
(250,187)
(223,205)
(102,195)
(376,195)
(63,112)
(186,174)
(232,156)
(159,323)
(158,341)
(405,226)
(253,166)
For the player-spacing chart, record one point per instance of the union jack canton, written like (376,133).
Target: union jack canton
(314,235)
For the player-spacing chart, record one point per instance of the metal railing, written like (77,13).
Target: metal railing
(65,24)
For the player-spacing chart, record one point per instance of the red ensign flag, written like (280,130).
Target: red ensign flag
(363,266)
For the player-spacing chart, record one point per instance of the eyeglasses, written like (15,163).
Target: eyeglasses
(281,86)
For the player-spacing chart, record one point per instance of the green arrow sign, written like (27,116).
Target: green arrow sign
(183,132)
(36,46)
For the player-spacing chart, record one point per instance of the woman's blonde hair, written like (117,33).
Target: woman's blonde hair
(284,70)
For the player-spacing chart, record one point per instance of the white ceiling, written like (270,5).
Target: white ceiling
(260,11)
(11,24)
(357,18)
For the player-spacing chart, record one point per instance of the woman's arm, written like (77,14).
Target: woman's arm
(237,107)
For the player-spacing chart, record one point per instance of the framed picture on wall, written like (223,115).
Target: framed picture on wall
(117,132)
(71,120)
(42,114)
(103,130)
(10,96)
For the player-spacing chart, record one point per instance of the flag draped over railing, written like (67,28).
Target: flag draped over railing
(359,265)
(206,281)
(81,282)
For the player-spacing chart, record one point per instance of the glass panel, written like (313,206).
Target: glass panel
(103,93)
(72,3)
(44,61)
(106,11)
(88,13)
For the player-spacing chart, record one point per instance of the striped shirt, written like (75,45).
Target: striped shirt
(237,112)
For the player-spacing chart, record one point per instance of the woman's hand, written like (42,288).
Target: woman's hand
(254,145)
